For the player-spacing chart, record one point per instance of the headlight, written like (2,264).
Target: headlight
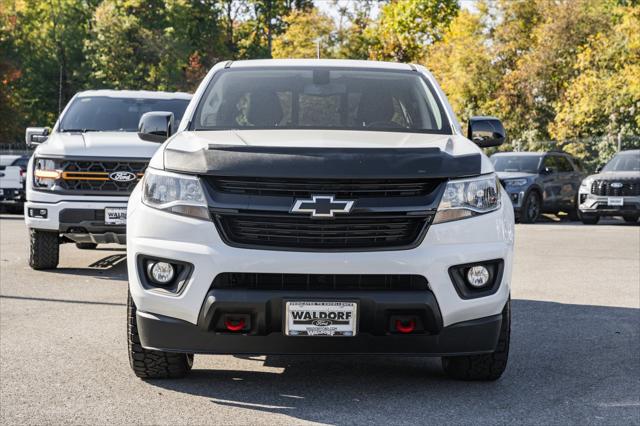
(468,197)
(515,182)
(45,173)
(175,193)
(586,183)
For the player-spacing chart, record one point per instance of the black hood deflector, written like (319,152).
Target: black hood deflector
(322,163)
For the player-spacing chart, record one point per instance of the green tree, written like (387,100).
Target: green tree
(304,30)
(462,64)
(406,27)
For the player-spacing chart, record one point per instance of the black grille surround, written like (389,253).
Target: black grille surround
(318,282)
(354,232)
(341,188)
(629,188)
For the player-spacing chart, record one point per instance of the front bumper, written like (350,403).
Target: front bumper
(80,221)
(599,205)
(12,196)
(159,234)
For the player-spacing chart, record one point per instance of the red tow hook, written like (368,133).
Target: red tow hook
(234,325)
(407,327)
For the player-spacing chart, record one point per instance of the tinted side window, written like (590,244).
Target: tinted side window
(563,164)
(550,161)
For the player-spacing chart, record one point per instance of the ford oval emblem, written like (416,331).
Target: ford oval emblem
(322,322)
(616,185)
(122,176)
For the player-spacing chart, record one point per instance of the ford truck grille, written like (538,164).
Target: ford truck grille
(616,188)
(354,188)
(311,282)
(93,176)
(357,231)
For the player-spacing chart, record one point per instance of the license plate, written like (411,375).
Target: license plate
(321,318)
(115,216)
(615,201)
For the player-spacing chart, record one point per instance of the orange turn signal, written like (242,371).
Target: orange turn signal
(47,174)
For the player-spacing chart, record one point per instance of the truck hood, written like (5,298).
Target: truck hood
(328,153)
(616,175)
(97,144)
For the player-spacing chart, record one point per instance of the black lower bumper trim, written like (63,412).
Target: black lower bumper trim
(173,335)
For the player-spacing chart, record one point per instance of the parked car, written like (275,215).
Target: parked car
(613,191)
(538,183)
(83,170)
(320,207)
(12,181)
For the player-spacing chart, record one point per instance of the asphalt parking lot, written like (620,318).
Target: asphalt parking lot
(575,356)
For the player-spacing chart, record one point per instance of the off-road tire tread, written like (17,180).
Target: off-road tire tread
(486,367)
(151,364)
(44,249)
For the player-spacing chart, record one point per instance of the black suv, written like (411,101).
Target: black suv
(538,183)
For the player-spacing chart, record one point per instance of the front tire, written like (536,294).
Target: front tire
(486,367)
(150,364)
(630,219)
(531,208)
(44,249)
(589,219)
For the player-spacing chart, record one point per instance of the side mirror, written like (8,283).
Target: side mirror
(486,131)
(155,126)
(599,169)
(36,135)
(548,170)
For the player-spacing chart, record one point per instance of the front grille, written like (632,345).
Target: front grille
(364,231)
(309,282)
(629,188)
(351,188)
(93,176)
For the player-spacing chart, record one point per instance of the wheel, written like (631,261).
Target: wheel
(86,246)
(44,249)
(630,219)
(150,364)
(589,219)
(573,215)
(487,366)
(531,208)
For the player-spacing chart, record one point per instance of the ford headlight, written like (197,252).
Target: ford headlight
(468,197)
(515,182)
(586,182)
(174,193)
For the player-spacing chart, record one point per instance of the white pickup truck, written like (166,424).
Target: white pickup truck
(82,172)
(11,182)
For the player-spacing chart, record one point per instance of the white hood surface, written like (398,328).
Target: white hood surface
(97,144)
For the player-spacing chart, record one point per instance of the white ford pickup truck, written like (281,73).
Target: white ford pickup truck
(82,172)
(320,207)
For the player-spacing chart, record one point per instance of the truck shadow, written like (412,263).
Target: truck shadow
(111,267)
(572,362)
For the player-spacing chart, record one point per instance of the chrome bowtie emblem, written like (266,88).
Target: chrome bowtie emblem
(122,176)
(322,206)
(616,185)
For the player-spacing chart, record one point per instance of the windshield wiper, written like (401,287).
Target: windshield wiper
(78,130)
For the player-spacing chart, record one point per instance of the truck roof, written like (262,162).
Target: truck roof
(318,63)
(145,94)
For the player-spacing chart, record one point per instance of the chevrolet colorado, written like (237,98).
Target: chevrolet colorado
(320,207)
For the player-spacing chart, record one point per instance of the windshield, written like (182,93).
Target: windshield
(106,114)
(320,98)
(623,163)
(516,163)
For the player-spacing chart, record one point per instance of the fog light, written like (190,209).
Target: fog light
(161,272)
(477,276)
